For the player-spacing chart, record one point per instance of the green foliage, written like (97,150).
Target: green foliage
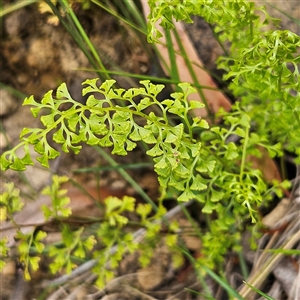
(108,257)
(112,231)
(115,207)
(3,252)
(266,78)
(153,232)
(191,158)
(265,296)
(210,170)
(28,242)
(58,197)
(10,202)
(235,20)
(73,246)
(263,64)
(77,243)
(199,171)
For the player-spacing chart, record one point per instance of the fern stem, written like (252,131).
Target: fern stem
(244,153)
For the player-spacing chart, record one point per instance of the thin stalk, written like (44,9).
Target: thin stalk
(217,38)
(265,269)
(297,117)
(172,56)
(113,65)
(213,275)
(244,153)
(231,291)
(133,18)
(283,169)
(265,296)
(13,91)
(251,28)
(209,72)
(283,12)
(108,168)
(85,38)
(15,6)
(208,221)
(200,276)
(115,14)
(73,32)
(243,264)
(85,192)
(131,7)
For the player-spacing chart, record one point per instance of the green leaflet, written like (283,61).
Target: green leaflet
(112,125)
(179,159)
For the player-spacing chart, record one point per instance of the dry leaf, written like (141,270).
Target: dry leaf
(277,213)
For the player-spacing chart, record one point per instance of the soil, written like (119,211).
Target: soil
(36,56)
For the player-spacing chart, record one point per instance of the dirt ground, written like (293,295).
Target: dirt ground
(37,56)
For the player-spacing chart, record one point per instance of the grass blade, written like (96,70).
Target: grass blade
(15,6)
(231,291)
(259,292)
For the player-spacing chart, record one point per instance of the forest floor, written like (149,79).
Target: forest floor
(37,56)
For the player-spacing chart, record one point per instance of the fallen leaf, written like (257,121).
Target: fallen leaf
(277,213)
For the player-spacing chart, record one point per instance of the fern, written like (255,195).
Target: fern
(191,158)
